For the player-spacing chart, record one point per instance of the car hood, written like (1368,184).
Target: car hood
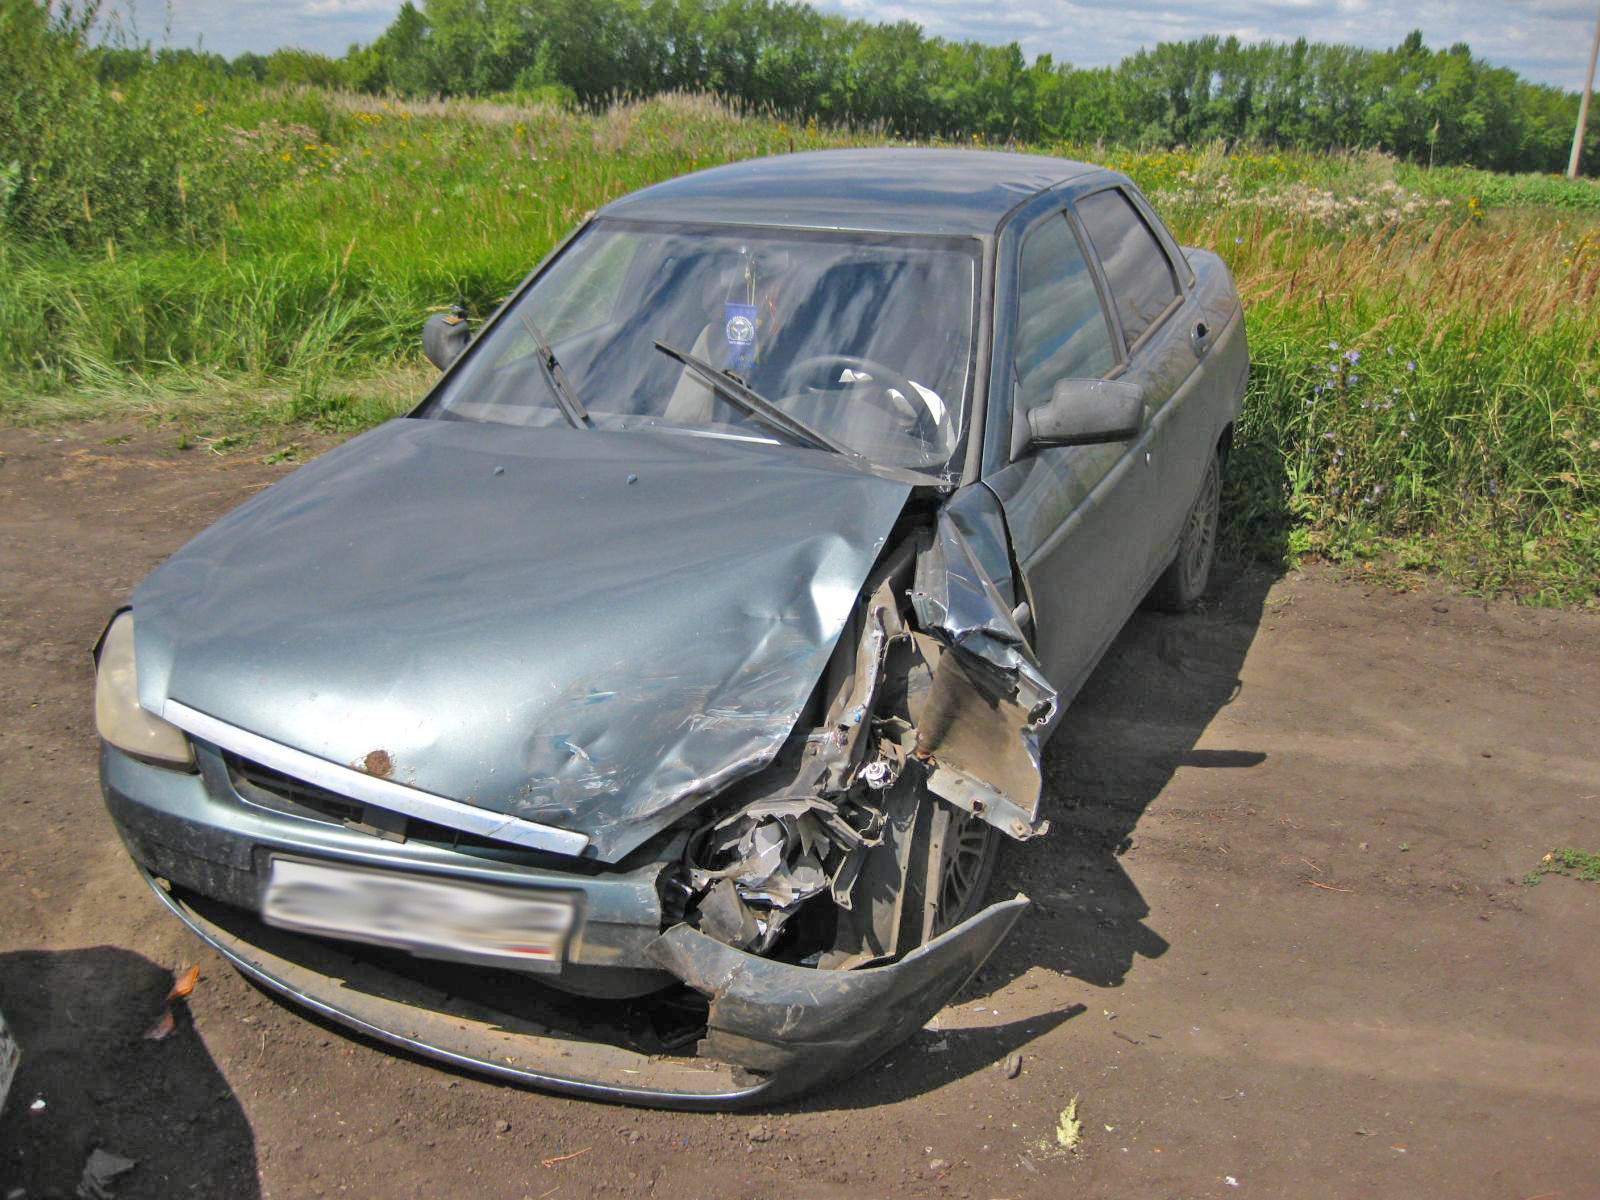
(590,630)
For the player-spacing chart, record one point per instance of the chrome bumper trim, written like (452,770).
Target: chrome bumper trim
(413,802)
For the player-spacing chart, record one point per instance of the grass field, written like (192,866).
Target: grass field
(1426,344)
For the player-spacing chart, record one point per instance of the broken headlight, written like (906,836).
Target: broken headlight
(117,714)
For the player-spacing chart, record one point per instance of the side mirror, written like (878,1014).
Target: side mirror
(1087,412)
(444,336)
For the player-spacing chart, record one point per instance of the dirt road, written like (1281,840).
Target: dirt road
(1280,944)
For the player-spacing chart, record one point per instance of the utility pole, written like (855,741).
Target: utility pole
(1583,106)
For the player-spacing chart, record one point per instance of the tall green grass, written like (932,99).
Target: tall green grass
(353,232)
(1425,359)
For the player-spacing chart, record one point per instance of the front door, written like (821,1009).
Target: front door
(1075,513)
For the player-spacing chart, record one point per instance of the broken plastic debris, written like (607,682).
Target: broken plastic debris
(37,1105)
(99,1172)
(182,988)
(184,985)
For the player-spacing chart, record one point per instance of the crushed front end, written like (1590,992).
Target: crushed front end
(786,931)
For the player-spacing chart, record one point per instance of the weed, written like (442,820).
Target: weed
(1069,1127)
(284,454)
(1578,864)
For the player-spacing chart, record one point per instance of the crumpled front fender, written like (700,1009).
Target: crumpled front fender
(799,1026)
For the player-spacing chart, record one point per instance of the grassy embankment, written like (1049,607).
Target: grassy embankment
(1426,390)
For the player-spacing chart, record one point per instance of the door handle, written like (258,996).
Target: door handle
(1201,338)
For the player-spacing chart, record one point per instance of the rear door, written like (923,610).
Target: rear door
(1169,335)
(1075,513)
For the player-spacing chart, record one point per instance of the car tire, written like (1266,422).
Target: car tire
(952,862)
(1184,581)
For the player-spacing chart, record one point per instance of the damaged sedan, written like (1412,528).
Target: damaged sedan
(640,717)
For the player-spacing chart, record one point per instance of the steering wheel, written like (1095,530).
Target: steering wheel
(897,388)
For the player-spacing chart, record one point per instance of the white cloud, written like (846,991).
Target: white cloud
(1546,40)
(318,8)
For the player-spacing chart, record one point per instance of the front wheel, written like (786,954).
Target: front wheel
(952,860)
(1183,582)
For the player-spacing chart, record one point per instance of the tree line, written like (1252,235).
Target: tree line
(1429,105)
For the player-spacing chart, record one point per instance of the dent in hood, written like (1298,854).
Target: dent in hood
(592,631)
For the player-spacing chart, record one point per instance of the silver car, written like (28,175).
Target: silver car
(639,717)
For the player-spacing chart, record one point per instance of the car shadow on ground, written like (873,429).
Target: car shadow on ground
(1134,724)
(80,1017)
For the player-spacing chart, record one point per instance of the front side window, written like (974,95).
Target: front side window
(1061,327)
(1136,267)
(865,338)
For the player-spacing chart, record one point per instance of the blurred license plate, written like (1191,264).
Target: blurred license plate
(418,913)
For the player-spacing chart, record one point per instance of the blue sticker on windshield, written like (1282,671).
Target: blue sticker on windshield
(739,326)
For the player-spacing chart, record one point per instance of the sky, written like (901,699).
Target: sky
(1545,40)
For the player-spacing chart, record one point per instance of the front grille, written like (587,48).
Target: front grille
(263,786)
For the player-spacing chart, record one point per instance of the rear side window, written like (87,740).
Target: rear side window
(1062,331)
(1137,268)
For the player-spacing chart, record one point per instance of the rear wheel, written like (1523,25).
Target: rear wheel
(1183,582)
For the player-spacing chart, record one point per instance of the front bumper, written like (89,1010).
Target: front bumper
(772,1030)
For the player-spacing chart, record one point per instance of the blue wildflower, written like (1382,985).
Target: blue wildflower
(1411,365)
(1352,356)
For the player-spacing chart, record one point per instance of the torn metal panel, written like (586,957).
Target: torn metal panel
(800,1026)
(980,750)
(537,622)
(954,597)
(990,706)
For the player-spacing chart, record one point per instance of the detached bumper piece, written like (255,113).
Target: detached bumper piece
(803,1027)
(777,1029)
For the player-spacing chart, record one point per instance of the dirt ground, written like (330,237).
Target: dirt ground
(1280,943)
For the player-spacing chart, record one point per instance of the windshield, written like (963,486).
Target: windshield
(864,338)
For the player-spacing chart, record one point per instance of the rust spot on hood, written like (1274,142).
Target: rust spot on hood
(376,762)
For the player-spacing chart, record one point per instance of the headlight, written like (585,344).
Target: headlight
(117,714)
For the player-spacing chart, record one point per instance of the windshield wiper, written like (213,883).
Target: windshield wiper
(568,400)
(731,387)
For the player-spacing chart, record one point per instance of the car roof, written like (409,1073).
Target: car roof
(895,189)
